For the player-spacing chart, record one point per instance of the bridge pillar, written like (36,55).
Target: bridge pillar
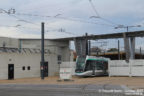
(132,51)
(126,47)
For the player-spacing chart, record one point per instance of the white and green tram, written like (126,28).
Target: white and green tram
(91,66)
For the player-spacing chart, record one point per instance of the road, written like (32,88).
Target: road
(58,90)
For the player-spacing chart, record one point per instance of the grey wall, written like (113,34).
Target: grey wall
(9,42)
(26,59)
(19,60)
(55,47)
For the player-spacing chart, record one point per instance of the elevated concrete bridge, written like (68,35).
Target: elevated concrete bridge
(107,36)
(129,40)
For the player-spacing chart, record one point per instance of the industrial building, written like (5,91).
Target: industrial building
(139,54)
(20,58)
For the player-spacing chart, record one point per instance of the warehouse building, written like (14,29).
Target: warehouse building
(20,58)
(139,54)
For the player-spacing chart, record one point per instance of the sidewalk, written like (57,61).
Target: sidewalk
(133,82)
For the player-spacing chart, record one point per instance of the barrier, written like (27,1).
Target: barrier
(71,65)
(122,68)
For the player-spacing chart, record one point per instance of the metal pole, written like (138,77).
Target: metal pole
(127,28)
(118,50)
(20,45)
(140,53)
(86,44)
(42,50)
(89,47)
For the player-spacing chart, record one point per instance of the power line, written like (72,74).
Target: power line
(12,11)
(61,30)
(54,30)
(98,16)
(22,20)
(82,21)
(70,33)
(9,25)
(64,18)
(108,21)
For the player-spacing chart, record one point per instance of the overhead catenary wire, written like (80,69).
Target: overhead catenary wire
(98,15)
(64,18)
(56,16)
(70,33)
(22,20)
(92,5)
(11,13)
(82,21)
(47,31)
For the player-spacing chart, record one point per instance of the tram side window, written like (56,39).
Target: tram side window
(90,65)
(99,65)
(105,65)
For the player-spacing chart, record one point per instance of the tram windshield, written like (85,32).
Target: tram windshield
(80,63)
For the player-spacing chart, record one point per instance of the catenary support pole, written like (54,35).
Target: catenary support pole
(89,47)
(140,53)
(118,50)
(42,50)
(86,44)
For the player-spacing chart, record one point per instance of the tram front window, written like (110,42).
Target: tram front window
(80,63)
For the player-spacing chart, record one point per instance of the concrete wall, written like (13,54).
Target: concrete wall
(71,56)
(36,43)
(71,65)
(122,68)
(9,42)
(55,47)
(118,68)
(22,59)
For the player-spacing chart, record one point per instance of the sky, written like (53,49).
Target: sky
(73,16)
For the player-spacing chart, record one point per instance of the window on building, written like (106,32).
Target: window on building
(23,68)
(28,68)
(59,57)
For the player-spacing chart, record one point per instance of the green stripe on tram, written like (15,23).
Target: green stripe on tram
(98,59)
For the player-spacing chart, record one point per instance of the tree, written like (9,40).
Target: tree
(96,49)
(112,50)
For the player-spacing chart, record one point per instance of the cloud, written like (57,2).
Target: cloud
(120,11)
(15,33)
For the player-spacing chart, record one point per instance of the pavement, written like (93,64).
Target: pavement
(90,86)
(131,82)
(61,90)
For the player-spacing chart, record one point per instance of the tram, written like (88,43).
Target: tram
(91,66)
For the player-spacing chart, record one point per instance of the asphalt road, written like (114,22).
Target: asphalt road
(59,90)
